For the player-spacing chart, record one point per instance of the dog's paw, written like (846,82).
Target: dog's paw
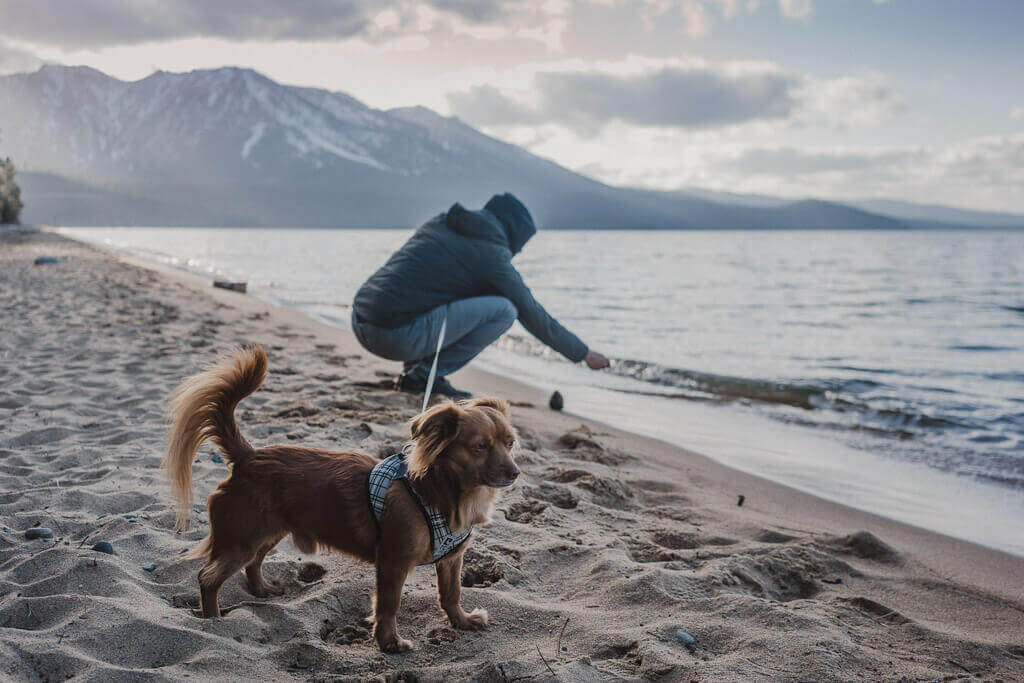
(474,621)
(267,589)
(398,644)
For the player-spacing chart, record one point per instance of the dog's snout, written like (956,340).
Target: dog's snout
(511,472)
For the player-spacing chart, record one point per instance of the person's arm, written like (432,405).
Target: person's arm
(537,321)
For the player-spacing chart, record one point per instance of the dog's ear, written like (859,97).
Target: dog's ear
(498,404)
(433,431)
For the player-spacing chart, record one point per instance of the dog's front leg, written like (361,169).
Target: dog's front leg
(390,580)
(449,593)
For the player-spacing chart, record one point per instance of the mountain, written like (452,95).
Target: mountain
(914,215)
(232,147)
(939,216)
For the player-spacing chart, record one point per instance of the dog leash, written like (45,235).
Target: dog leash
(433,367)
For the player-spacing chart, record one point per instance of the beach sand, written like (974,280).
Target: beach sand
(609,544)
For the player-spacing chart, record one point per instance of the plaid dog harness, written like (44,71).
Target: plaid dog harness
(442,541)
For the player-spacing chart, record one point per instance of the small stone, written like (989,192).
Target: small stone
(39,532)
(130,515)
(740,500)
(556,402)
(216,458)
(685,638)
(45,260)
(149,567)
(104,547)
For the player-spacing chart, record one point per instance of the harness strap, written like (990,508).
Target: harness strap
(443,541)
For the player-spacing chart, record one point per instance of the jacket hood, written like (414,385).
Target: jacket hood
(503,220)
(514,218)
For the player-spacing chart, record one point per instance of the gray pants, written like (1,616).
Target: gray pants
(473,325)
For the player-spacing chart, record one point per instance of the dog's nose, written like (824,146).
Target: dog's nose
(511,472)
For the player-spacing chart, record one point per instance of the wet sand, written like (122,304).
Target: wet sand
(610,543)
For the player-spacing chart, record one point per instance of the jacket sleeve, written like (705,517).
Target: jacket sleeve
(537,321)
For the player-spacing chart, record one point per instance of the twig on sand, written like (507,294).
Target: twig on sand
(558,648)
(956,663)
(546,662)
(95,531)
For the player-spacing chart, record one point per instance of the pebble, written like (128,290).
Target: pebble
(149,567)
(685,638)
(39,532)
(130,515)
(556,402)
(216,458)
(44,260)
(104,547)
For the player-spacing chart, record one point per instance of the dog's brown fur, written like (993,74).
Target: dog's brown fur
(461,457)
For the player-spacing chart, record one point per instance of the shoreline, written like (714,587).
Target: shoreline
(614,538)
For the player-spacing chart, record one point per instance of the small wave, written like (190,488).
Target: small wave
(980,347)
(851,405)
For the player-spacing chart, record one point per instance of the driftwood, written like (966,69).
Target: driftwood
(233,286)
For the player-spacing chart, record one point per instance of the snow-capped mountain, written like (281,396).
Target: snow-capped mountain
(230,146)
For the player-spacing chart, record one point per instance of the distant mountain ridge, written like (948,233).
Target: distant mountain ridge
(231,147)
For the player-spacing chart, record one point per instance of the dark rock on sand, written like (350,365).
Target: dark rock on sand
(39,532)
(556,402)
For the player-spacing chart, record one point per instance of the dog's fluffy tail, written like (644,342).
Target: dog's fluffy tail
(203,408)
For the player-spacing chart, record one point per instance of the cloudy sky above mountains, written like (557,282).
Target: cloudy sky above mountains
(911,99)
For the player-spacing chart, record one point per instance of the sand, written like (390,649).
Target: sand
(609,544)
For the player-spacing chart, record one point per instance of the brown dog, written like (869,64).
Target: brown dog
(461,457)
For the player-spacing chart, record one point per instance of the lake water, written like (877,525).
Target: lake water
(884,370)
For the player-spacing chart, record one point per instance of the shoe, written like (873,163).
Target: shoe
(442,387)
(410,384)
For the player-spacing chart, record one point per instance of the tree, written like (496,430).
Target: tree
(10,193)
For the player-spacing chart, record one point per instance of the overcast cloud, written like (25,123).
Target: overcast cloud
(697,97)
(15,60)
(98,23)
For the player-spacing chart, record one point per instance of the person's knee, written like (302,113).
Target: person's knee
(507,312)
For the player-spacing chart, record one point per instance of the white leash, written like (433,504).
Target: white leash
(433,367)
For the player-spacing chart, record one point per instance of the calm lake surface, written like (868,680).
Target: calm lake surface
(884,370)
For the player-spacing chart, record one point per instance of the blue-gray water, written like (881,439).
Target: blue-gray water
(881,369)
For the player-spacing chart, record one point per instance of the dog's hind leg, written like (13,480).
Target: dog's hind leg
(259,586)
(218,569)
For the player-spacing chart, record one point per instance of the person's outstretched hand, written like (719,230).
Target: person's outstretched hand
(596,361)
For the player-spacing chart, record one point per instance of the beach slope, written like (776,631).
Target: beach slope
(609,546)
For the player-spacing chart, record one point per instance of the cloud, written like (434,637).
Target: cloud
(1017,113)
(697,95)
(792,161)
(100,23)
(796,9)
(16,60)
(847,101)
(682,97)
(91,24)
(986,171)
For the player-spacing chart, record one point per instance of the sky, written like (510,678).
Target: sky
(920,100)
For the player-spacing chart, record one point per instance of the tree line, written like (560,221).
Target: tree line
(10,193)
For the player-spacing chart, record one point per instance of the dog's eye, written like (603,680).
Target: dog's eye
(511,444)
(482,446)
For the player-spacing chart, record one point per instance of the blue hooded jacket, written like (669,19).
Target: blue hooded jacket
(458,255)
